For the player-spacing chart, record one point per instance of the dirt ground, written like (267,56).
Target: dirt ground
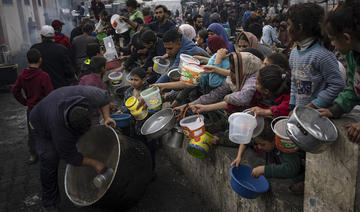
(20,184)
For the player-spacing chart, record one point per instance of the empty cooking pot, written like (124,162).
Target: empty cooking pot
(158,124)
(309,131)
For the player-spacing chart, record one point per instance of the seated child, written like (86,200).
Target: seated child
(278,164)
(36,85)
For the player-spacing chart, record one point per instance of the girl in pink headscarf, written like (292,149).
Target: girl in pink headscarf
(246,40)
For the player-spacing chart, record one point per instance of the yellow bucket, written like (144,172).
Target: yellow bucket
(132,103)
(199,147)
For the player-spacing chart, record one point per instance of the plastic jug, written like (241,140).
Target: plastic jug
(132,103)
(241,127)
(152,97)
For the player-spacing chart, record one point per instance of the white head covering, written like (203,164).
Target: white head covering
(188,31)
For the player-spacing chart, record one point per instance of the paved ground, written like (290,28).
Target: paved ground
(20,184)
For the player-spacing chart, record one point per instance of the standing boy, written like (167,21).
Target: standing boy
(36,85)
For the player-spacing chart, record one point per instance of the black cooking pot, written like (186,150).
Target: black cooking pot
(130,160)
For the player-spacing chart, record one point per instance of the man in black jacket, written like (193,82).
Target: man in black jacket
(55,58)
(57,122)
(161,23)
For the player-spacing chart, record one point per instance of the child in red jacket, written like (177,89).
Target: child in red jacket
(36,84)
(272,97)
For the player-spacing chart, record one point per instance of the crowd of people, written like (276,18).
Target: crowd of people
(268,60)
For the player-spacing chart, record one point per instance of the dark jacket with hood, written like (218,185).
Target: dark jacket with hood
(55,62)
(36,85)
(49,118)
(62,39)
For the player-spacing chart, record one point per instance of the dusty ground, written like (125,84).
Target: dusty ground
(20,184)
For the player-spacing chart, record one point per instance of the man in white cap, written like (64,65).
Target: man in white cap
(56,61)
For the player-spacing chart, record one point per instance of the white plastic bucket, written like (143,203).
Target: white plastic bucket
(186,59)
(193,126)
(191,74)
(241,127)
(159,67)
(152,97)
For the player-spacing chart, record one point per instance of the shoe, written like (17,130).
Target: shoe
(52,208)
(34,161)
(297,188)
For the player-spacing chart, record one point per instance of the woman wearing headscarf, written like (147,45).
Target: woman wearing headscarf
(238,88)
(218,29)
(188,31)
(246,40)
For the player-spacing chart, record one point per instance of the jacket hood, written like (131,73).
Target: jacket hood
(59,36)
(30,73)
(186,44)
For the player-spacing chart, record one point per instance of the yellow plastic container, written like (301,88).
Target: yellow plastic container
(132,103)
(199,147)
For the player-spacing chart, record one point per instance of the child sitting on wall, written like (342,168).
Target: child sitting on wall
(278,164)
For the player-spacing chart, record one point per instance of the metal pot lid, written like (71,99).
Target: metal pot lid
(157,121)
(319,127)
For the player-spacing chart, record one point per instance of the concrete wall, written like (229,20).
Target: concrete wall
(332,178)
(211,177)
(332,181)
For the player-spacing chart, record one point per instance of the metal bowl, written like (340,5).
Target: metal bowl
(309,131)
(158,124)
(174,74)
(130,159)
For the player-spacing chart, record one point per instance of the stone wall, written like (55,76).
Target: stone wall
(211,176)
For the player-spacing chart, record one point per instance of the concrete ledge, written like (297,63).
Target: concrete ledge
(211,177)
(332,181)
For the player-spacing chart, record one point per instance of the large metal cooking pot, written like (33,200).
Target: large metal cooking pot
(158,124)
(130,160)
(309,131)
(174,138)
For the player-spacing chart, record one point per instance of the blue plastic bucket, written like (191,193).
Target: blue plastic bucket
(245,185)
(122,120)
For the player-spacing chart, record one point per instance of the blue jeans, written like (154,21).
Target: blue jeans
(164,78)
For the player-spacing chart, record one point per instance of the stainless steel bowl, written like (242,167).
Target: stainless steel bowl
(158,124)
(309,131)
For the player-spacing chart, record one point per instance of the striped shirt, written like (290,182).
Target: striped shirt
(315,77)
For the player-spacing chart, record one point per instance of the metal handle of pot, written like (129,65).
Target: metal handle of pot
(302,129)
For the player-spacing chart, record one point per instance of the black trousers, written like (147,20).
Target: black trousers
(49,164)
